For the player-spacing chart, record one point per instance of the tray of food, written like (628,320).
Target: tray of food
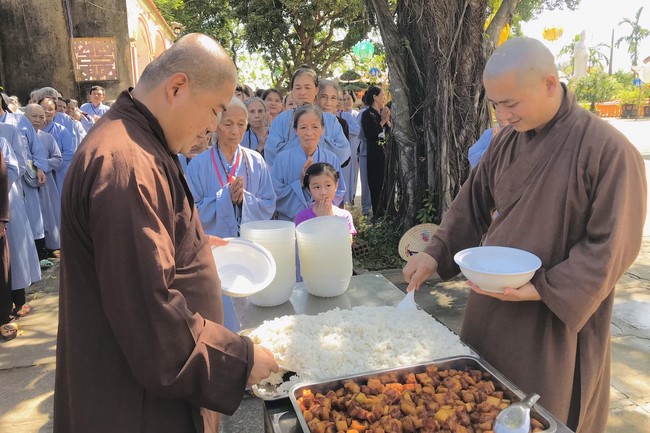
(459,394)
(339,342)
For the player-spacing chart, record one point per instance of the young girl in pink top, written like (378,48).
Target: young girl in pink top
(321,180)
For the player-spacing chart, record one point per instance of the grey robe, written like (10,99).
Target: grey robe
(25,268)
(574,195)
(49,193)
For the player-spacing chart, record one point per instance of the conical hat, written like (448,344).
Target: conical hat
(416,239)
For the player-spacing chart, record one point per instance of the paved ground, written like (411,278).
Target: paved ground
(27,363)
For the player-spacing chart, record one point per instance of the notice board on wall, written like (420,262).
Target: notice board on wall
(95,59)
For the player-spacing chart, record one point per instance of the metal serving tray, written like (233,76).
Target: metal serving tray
(457,363)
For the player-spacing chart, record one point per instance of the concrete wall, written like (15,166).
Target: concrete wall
(110,20)
(35,45)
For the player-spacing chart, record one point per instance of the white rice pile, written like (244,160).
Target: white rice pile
(345,342)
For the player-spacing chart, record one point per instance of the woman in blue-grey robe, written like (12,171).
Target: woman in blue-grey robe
(231,185)
(304,88)
(25,268)
(64,139)
(33,153)
(49,194)
(351,171)
(289,168)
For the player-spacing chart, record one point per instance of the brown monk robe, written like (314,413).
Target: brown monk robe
(140,345)
(573,192)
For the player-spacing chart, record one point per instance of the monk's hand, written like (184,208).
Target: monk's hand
(418,268)
(215,241)
(527,292)
(40,174)
(3,229)
(263,365)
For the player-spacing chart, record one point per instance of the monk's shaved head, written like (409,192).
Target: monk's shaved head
(186,88)
(522,83)
(527,58)
(200,57)
(33,108)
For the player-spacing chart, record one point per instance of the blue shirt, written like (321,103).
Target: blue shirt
(292,197)
(477,150)
(283,137)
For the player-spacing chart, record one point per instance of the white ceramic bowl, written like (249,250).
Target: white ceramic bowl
(244,267)
(496,268)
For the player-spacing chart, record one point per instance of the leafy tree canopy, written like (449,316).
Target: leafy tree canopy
(290,33)
(527,10)
(215,18)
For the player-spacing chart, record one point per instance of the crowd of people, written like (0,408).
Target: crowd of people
(37,141)
(178,162)
(252,167)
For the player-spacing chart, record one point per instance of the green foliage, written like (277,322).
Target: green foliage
(427,213)
(293,32)
(631,96)
(215,18)
(627,92)
(637,34)
(351,80)
(382,237)
(527,10)
(594,87)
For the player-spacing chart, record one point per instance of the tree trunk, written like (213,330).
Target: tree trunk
(436,54)
(501,18)
(403,128)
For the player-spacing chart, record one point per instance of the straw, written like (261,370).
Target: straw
(416,239)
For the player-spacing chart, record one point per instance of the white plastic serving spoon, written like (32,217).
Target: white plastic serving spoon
(408,303)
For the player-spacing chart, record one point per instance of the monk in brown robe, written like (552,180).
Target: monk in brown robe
(140,344)
(569,188)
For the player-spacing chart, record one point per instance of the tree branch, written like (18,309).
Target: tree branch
(501,18)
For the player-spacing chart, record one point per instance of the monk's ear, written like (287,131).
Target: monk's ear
(177,85)
(551,84)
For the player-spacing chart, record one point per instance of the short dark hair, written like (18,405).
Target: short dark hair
(369,96)
(302,70)
(40,101)
(95,88)
(351,93)
(318,168)
(267,92)
(241,87)
(307,109)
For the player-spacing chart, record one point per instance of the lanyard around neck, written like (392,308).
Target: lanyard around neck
(233,170)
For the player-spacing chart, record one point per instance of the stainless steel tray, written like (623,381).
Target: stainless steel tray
(458,363)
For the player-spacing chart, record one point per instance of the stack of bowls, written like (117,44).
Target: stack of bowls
(279,238)
(325,253)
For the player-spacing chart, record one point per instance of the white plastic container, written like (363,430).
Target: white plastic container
(279,238)
(325,255)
